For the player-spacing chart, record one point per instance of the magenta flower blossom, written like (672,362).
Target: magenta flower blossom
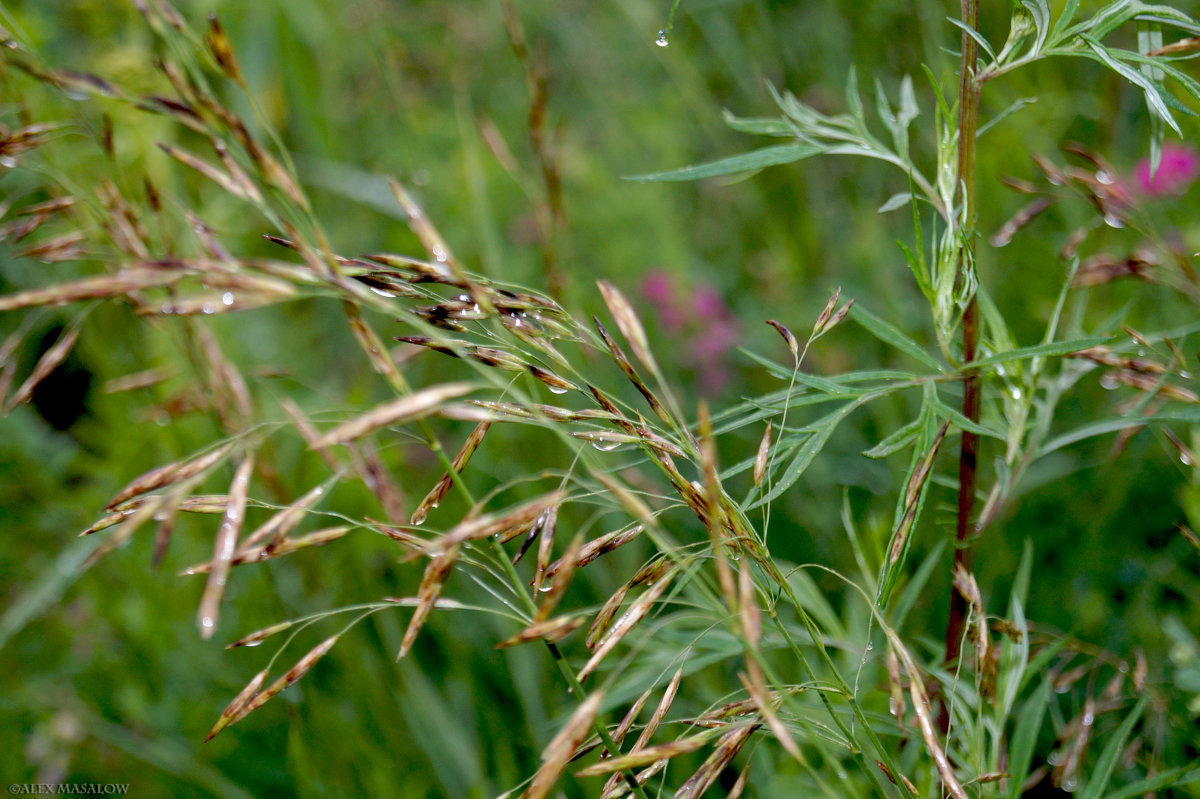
(1177,171)
(703,318)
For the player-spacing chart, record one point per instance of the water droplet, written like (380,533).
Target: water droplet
(253,643)
(557,389)
(870,646)
(662,40)
(167,308)
(1112,220)
(8,161)
(381,292)
(545,588)
(439,253)
(464,297)
(1186,459)
(1014,392)
(1109,381)
(227,298)
(1070,784)
(208,622)
(604,445)
(207,308)
(1105,177)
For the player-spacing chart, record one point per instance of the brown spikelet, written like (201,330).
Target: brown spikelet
(562,577)
(597,547)
(258,636)
(925,718)
(218,45)
(505,526)
(280,525)
(284,546)
(302,667)
(728,746)
(562,747)
(549,630)
(49,361)
(642,757)
(912,495)
(755,684)
(432,583)
(405,409)
(439,491)
(225,547)
(424,230)
(630,619)
(660,712)
(1189,44)
(216,175)
(235,709)
(763,456)
(170,474)
(123,282)
(628,323)
(60,248)
(792,345)
(1019,220)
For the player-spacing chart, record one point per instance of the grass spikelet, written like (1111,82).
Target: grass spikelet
(627,369)
(285,546)
(278,527)
(235,709)
(628,323)
(925,718)
(788,338)
(49,361)
(562,747)
(91,288)
(660,712)
(548,524)
(552,630)
(258,636)
(637,611)
(302,667)
(439,491)
(170,474)
(597,547)
(504,526)
(60,248)
(218,45)
(405,409)
(425,231)
(727,747)
(432,582)
(225,547)
(646,756)
(227,182)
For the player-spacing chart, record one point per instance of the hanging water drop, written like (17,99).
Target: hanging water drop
(662,40)
(207,308)
(1112,220)
(604,445)
(1109,381)
(227,298)
(1105,177)
(381,292)
(557,389)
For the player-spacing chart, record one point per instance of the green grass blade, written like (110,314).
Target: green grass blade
(889,334)
(1103,770)
(744,162)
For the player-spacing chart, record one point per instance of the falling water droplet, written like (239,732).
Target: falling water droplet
(227,298)
(557,389)
(662,40)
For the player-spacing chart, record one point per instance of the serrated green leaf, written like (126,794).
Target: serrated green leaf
(744,162)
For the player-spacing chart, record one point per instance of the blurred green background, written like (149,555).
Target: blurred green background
(103,677)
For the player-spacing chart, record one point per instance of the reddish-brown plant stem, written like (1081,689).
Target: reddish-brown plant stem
(968,116)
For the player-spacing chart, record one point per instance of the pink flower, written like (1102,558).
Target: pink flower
(709,326)
(1177,169)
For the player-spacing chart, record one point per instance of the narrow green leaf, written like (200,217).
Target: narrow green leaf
(895,441)
(888,334)
(1051,349)
(744,162)
(1153,100)
(896,201)
(916,584)
(1064,20)
(1102,771)
(1029,722)
(762,126)
(967,29)
(815,442)
(1171,778)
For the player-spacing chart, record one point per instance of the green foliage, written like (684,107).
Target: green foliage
(524,499)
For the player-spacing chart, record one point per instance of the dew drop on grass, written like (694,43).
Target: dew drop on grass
(381,292)
(545,588)
(253,643)
(1109,381)
(167,308)
(557,389)
(439,253)
(8,161)
(1114,221)
(662,40)
(604,445)
(227,298)
(1105,177)
(207,308)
